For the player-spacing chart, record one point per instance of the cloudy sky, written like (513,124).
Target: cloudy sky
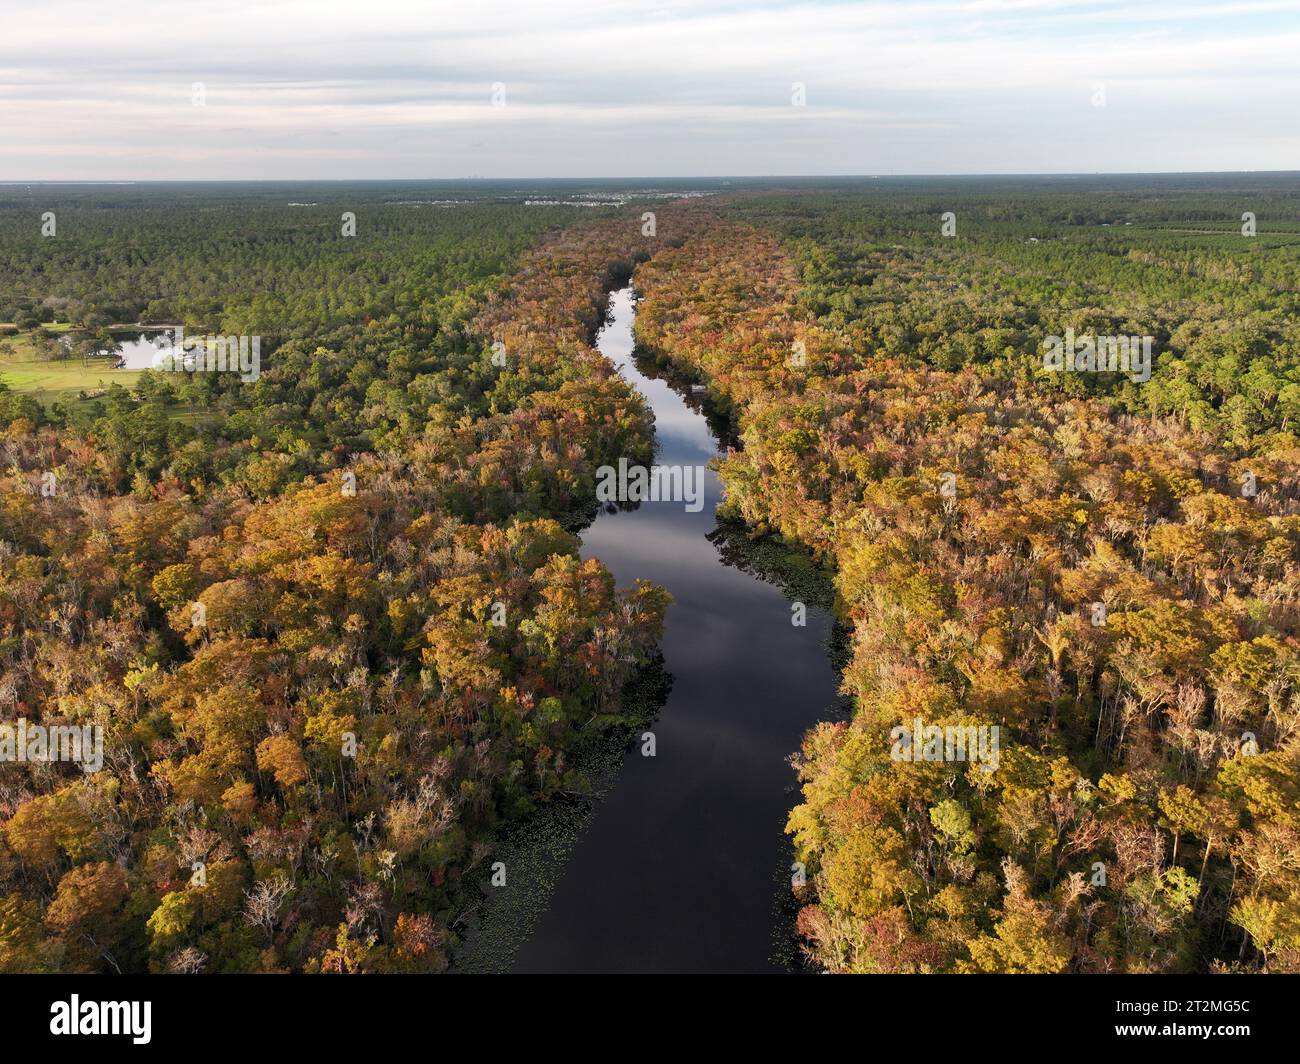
(106,89)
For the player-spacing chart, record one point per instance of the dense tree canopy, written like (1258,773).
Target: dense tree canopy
(1096,580)
(336,631)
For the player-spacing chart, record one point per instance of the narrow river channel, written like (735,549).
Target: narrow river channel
(681,866)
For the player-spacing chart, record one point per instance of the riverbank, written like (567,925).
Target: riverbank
(682,865)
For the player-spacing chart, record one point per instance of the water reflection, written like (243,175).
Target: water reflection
(144,350)
(679,869)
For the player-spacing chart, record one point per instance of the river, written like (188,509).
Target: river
(684,865)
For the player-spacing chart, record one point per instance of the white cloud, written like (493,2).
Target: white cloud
(329,88)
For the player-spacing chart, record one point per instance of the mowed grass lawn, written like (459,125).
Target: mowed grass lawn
(49,381)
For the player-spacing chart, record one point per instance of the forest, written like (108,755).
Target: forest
(336,630)
(1105,571)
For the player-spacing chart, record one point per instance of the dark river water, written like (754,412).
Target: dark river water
(684,864)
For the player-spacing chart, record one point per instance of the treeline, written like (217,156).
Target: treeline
(335,635)
(1111,583)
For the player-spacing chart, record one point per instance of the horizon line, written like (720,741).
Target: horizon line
(4,182)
